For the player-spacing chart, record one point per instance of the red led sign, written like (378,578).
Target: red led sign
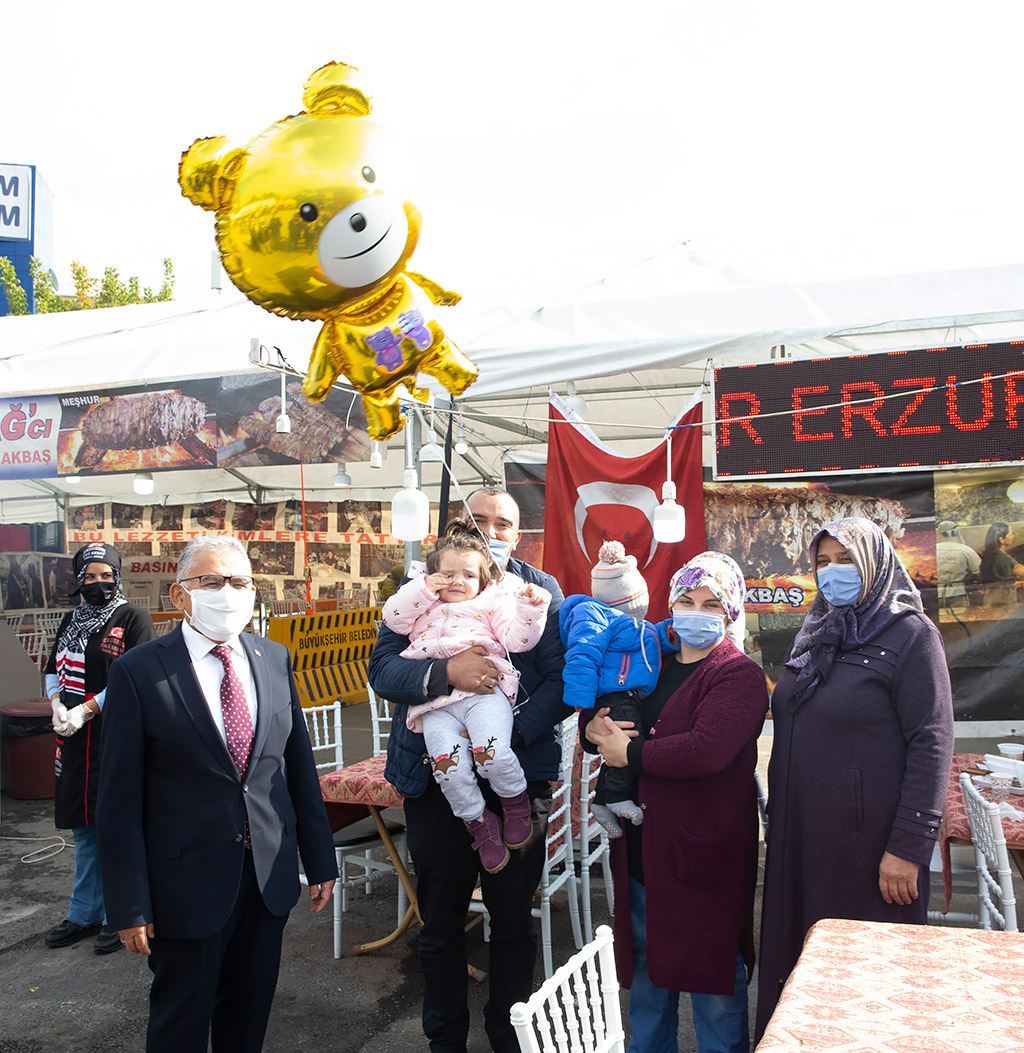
(902,410)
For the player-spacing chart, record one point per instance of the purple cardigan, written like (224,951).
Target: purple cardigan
(700,830)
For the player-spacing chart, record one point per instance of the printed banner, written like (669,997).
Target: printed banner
(139,429)
(28,437)
(330,653)
(346,544)
(227,422)
(34,580)
(957,534)
(525,481)
(594,494)
(980,608)
(767,529)
(321,432)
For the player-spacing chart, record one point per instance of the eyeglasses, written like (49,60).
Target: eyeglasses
(214,582)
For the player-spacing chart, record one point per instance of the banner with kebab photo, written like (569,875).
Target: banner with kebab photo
(594,494)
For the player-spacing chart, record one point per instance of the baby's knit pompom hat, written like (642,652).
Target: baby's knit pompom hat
(616,581)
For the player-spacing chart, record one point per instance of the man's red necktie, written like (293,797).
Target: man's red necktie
(237,719)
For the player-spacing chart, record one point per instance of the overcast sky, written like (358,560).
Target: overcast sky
(549,143)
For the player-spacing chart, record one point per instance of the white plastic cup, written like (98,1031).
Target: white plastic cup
(1011,750)
(1001,785)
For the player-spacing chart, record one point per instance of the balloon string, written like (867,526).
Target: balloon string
(307,573)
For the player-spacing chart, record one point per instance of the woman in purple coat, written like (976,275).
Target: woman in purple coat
(692,864)
(863,740)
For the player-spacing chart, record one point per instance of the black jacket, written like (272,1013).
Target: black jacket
(78,756)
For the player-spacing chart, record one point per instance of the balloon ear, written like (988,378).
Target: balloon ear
(334,89)
(208,172)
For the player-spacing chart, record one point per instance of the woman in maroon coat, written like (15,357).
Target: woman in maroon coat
(692,864)
(862,744)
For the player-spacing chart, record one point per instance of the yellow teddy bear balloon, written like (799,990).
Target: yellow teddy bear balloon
(306,229)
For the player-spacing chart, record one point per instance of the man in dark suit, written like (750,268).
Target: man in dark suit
(207,788)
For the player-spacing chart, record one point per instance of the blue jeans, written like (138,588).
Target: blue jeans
(87,894)
(720,1021)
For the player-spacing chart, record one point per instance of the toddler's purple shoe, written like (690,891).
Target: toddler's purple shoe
(518,828)
(487,841)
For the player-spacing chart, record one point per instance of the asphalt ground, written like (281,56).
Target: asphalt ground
(72,1000)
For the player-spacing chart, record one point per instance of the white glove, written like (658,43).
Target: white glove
(627,810)
(607,819)
(60,716)
(77,717)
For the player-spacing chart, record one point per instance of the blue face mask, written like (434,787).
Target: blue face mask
(698,629)
(499,550)
(839,583)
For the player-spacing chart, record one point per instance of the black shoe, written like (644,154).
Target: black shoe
(108,941)
(67,933)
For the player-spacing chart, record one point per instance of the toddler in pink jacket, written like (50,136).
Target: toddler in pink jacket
(457,604)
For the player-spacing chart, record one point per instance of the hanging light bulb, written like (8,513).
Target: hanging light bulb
(284,423)
(430,451)
(461,446)
(410,509)
(573,401)
(142,484)
(1015,491)
(669,518)
(376,457)
(341,477)
(71,480)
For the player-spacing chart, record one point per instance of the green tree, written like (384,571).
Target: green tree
(109,291)
(166,291)
(17,301)
(85,289)
(47,297)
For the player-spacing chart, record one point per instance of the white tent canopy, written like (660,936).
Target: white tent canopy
(636,349)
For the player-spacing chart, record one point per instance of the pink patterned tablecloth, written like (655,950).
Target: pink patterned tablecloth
(868,987)
(360,783)
(955,825)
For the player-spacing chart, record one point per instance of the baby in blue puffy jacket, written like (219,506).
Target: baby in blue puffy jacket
(611,650)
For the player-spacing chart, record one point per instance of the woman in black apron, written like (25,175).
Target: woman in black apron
(91,636)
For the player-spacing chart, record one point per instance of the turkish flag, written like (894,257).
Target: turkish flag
(593,494)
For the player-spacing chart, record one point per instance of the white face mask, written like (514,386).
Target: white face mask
(222,614)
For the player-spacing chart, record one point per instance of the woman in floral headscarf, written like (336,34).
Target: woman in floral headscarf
(692,864)
(861,751)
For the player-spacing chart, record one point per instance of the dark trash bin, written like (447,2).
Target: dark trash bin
(29,745)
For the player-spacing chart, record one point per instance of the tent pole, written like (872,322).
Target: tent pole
(446,473)
(306,573)
(413,435)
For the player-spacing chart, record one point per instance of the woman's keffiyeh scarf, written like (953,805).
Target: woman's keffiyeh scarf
(85,620)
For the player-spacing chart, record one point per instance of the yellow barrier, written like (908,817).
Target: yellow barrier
(330,652)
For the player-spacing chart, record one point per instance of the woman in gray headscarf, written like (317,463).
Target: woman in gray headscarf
(863,741)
